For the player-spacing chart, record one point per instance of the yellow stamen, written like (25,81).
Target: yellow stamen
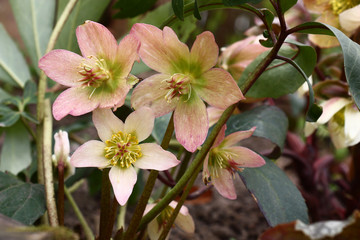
(338,6)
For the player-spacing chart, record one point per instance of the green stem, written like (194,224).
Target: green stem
(105,205)
(87,230)
(140,207)
(27,126)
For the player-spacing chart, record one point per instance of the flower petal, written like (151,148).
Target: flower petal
(96,40)
(244,157)
(140,122)
(154,230)
(154,157)
(233,138)
(352,126)
(151,93)
(220,137)
(106,123)
(349,19)
(309,128)
(330,107)
(204,52)
(161,51)
(113,99)
(325,41)
(74,101)
(337,134)
(184,221)
(62,66)
(127,53)
(122,181)
(214,85)
(191,122)
(224,184)
(90,154)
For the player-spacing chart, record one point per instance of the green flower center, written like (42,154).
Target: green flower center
(122,149)
(338,6)
(178,85)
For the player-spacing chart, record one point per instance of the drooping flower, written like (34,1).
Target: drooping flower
(120,150)
(343,119)
(185,79)
(236,57)
(98,79)
(61,153)
(342,14)
(225,157)
(184,221)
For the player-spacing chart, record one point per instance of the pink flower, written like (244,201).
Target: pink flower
(185,79)
(183,220)
(98,79)
(120,149)
(225,157)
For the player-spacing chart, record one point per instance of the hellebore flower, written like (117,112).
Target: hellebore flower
(236,57)
(183,220)
(343,119)
(225,157)
(98,79)
(342,14)
(120,149)
(186,78)
(61,153)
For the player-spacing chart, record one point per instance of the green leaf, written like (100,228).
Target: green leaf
(30,92)
(35,20)
(8,117)
(13,67)
(132,8)
(314,28)
(196,10)
(29,117)
(278,198)
(238,2)
(160,126)
(286,4)
(24,202)
(16,152)
(281,78)
(270,122)
(4,95)
(84,10)
(178,7)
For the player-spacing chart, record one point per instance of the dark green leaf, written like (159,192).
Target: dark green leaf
(281,78)
(238,2)
(3,95)
(8,117)
(278,198)
(29,92)
(269,16)
(11,159)
(196,10)
(132,8)
(178,7)
(287,4)
(24,202)
(29,117)
(314,28)
(160,126)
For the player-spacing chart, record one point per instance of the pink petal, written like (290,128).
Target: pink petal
(161,51)
(224,184)
(73,101)
(106,123)
(218,88)
(96,40)
(220,137)
(127,53)
(204,52)
(330,107)
(140,123)
(90,154)
(62,66)
(191,122)
(214,114)
(151,93)
(122,181)
(233,138)
(245,157)
(114,99)
(206,173)
(154,157)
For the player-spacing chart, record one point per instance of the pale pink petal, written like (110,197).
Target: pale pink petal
(204,52)
(310,127)
(191,122)
(158,54)
(349,19)
(330,107)
(224,184)
(214,114)
(140,123)
(244,157)
(233,138)
(62,145)
(205,172)
(154,157)
(96,40)
(220,137)
(73,101)
(154,230)
(114,99)
(151,93)
(218,88)
(62,66)
(127,53)
(122,181)
(185,222)
(106,123)
(352,126)
(337,134)
(90,154)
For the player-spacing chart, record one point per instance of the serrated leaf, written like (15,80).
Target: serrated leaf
(238,2)
(84,10)
(13,67)
(11,159)
(278,198)
(281,78)
(24,202)
(35,20)
(132,8)
(287,4)
(178,7)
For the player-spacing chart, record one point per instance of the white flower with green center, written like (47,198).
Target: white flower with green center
(121,151)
